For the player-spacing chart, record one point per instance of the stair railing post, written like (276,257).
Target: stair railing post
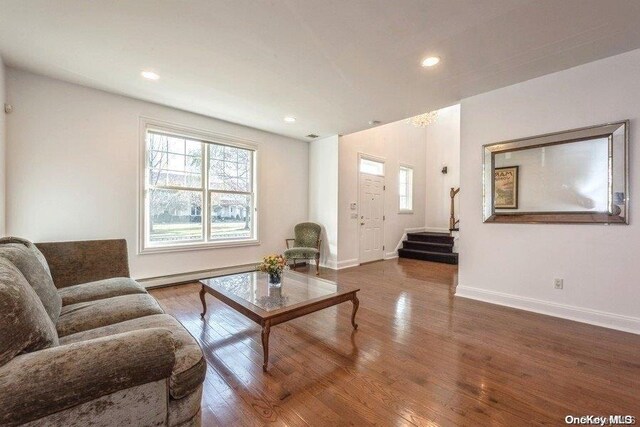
(452,218)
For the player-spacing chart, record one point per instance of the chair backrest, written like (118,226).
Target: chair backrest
(307,235)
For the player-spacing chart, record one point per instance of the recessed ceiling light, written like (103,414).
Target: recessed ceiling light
(430,61)
(289,119)
(150,75)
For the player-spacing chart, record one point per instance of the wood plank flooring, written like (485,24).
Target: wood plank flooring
(419,357)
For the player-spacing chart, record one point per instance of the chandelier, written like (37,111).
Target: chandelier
(423,120)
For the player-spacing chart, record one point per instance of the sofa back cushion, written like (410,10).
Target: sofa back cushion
(32,246)
(25,325)
(23,255)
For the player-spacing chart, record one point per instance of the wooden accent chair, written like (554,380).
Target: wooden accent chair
(306,244)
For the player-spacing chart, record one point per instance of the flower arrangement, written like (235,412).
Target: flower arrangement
(273,265)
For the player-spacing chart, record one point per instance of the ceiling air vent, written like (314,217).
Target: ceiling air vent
(312,135)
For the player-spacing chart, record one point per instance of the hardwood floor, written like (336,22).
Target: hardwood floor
(419,357)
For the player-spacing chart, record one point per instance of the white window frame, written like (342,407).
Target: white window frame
(148,124)
(410,190)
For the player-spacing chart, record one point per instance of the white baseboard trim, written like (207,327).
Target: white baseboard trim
(391,255)
(348,263)
(330,264)
(153,282)
(578,314)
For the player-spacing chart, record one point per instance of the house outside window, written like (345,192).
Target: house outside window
(405,189)
(199,191)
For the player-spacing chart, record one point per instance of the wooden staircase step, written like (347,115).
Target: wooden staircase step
(447,258)
(428,246)
(430,237)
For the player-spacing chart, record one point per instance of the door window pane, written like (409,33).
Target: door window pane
(371,167)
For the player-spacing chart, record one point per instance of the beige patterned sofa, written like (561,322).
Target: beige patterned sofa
(83,344)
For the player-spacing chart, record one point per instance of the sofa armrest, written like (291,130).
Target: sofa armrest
(37,384)
(72,263)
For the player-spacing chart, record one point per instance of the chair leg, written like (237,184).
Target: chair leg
(318,265)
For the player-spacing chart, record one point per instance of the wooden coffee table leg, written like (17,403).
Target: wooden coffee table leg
(204,303)
(266,328)
(356,304)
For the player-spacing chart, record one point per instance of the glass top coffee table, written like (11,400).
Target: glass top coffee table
(252,295)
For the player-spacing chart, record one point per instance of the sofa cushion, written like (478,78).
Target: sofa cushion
(73,263)
(190,368)
(26,260)
(94,314)
(32,247)
(25,325)
(100,289)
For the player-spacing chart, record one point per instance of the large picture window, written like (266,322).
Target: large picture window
(197,192)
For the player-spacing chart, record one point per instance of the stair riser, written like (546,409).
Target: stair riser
(446,259)
(429,239)
(423,246)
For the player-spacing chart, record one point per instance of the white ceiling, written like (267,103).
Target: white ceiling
(333,64)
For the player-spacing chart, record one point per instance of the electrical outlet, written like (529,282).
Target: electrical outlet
(558,283)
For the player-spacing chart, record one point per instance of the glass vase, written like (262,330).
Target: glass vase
(275,279)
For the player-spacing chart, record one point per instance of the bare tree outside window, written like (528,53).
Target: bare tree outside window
(230,183)
(188,181)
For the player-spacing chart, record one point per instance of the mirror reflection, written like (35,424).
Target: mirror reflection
(573,176)
(564,177)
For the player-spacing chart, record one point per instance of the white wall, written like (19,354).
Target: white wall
(72,173)
(443,148)
(3,134)
(515,264)
(323,195)
(398,143)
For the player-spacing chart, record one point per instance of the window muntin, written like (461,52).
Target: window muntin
(174,161)
(405,189)
(230,168)
(188,180)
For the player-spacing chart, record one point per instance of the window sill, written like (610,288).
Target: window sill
(405,212)
(197,246)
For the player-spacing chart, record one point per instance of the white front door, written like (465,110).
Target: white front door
(371,217)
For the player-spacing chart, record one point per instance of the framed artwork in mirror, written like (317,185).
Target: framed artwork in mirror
(506,187)
(578,176)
